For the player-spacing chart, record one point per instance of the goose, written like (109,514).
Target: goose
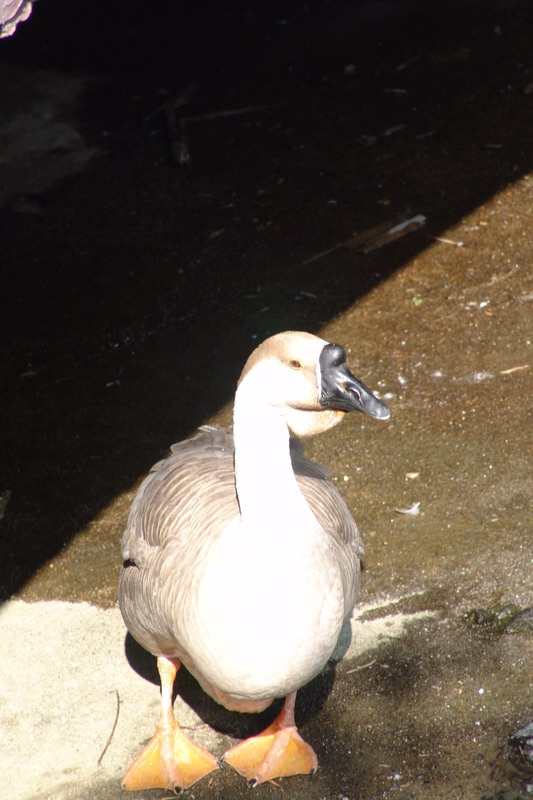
(241,561)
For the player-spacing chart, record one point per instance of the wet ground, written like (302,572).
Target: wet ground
(133,288)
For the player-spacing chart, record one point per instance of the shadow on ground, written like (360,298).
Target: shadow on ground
(239,726)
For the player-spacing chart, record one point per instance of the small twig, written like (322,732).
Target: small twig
(181,98)
(178,127)
(447,241)
(274,783)
(493,279)
(435,779)
(112,730)
(497,278)
(228,112)
(362,666)
(323,253)
(513,369)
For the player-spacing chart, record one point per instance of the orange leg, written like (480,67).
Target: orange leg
(277,752)
(169,760)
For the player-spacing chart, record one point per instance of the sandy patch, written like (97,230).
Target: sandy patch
(64,663)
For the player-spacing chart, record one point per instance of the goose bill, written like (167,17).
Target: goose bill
(342,391)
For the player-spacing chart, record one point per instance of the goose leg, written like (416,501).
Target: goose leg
(277,752)
(169,760)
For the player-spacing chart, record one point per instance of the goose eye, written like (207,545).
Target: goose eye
(294,364)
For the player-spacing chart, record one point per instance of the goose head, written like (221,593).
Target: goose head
(305,380)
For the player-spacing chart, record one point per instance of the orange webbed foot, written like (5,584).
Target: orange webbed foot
(169,760)
(277,752)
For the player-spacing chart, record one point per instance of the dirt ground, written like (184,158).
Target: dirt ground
(176,185)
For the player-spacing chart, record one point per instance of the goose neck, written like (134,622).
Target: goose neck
(267,489)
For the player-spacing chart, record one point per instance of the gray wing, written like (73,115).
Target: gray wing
(199,473)
(169,533)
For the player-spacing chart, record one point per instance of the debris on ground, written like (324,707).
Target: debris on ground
(412,511)
(506,618)
(375,237)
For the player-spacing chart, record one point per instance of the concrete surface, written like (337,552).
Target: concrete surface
(76,679)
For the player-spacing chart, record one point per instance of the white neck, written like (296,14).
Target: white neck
(267,490)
